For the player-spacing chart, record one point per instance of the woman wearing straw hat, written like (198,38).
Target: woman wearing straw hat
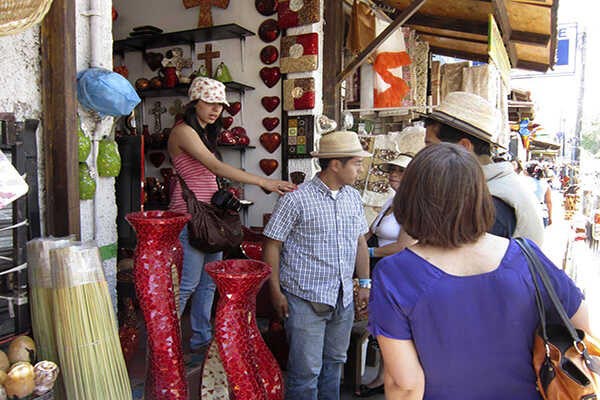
(455,315)
(193,150)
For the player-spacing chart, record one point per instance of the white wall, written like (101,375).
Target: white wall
(171,17)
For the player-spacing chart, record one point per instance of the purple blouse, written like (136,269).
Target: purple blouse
(473,334)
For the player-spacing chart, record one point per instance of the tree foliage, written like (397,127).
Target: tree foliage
(590,138)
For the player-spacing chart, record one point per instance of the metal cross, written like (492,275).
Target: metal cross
(208,56)
(156,111)
(205,18)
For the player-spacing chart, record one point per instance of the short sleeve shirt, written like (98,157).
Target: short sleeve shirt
(474,334)
(320,235)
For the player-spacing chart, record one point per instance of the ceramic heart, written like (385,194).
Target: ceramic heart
(270,141)
(270,123)
(268,165)
(265,7)
(243,140)
(270,103)
(233,108)
(270,75)
(226,121)
(325,125)
(227,138)
(238,131)
(269,54)
(156,158)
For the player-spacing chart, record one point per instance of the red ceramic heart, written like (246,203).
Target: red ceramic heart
(265,7)
(268,165)
(234,108)
(270,103)
(227,138)
(243,140)
(270,141)
(268,30)
(269,54)
(270,123)
(238,131)
(270,75)
(226,121)
(156,158)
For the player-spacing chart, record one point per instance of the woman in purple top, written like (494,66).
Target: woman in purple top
(455,314)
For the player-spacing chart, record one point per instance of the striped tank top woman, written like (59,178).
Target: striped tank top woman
(198,178)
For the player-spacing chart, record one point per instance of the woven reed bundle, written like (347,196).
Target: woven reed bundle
(86,328)
(40,296)
(18,15)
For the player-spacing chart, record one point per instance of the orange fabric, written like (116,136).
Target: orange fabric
(392,96)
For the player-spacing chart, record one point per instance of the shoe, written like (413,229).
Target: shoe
(365,391)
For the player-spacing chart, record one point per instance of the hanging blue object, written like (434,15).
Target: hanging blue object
(106,92)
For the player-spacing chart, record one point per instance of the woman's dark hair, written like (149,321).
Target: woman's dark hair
(534,169)
(444,199)
(324,162)
(209,134)
(449,134)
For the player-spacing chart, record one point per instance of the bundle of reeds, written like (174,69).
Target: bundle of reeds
(40,298)
(86,328)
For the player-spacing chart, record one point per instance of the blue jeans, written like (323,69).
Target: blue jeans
(196,282)
(318,346)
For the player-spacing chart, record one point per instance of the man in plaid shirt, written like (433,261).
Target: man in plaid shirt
(315,242)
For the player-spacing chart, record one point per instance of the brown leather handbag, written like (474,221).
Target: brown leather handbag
(566,360)
(211,229)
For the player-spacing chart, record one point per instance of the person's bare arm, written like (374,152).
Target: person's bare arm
(548,201)
(581,318)
(271,255)
(362,270)
(404,378)
(404,240)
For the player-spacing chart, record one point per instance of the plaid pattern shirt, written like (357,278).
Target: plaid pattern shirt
(320,235)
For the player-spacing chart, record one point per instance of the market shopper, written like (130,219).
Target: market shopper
(455,314)
(471,121)
(384,239)
(315,242)
(541,189)
(192,147)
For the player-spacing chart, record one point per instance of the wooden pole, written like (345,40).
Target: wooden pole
(501,15)
(59,111)
(334,43)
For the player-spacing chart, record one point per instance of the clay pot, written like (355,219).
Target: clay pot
(142,84)
(156,83)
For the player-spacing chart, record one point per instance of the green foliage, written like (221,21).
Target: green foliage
(590,138)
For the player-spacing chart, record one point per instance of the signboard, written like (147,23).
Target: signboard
(497,51)
(566,54)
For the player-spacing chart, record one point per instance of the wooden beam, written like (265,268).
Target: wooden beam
(465,55)
(451,37)
(501,16)
(539,39)
(532,66)
(333,40)
(458,25)
(59,111)
(370,49)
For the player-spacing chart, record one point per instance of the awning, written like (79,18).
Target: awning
(459,28)
(538,144)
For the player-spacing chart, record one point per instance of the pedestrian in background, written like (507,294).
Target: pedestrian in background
(541,189)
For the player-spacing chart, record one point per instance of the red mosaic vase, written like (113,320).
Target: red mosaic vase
(239,365)
(158,249)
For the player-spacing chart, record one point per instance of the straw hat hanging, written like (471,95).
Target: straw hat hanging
(18,15)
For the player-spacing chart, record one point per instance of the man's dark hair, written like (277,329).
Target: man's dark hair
(450,134)
(324,162)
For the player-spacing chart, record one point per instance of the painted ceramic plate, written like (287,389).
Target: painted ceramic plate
(268,31)
(266,7)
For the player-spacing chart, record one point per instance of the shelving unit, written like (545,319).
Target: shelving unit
(181,90)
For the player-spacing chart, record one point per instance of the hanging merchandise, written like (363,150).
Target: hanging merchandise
(12,184)
(270,141)
(222,73)
(268,165)
(17,16)
(109,159)
(300,53)
(298,12)
(84,144)
(205,15)
(298,94)
(86,328)
(106,92)
(87,184)
(268,31)
(266,7)
(270,103)
(233,108)
(270,75)
(269,54)
(226,122)
(270,123)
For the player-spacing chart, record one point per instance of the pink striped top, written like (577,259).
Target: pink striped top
(198,178)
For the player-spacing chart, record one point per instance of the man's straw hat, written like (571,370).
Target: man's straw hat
(340,144)
(469,113)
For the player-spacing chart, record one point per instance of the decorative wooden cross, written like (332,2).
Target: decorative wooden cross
(208,56)
(157,111)
(205,18)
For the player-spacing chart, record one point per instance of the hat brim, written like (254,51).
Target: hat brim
(461,126)
(340,155)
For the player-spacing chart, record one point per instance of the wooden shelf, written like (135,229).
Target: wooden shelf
(219,32)
(182,90)
(235,147)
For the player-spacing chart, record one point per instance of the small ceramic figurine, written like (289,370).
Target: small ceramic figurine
(174,58)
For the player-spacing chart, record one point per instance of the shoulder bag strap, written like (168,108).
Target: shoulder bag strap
(185,190)
(537,268)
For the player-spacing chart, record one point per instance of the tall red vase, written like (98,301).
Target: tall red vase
(158,249)
(239,365)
